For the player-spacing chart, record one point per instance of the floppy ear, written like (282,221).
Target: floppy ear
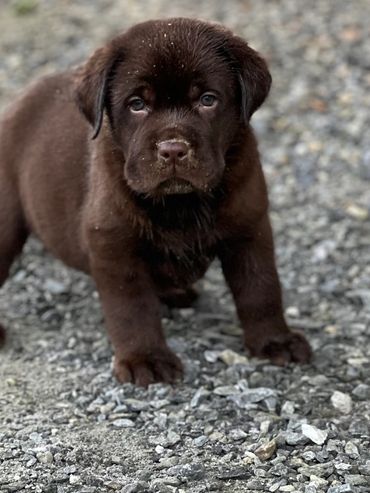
(253,76)
(93,86)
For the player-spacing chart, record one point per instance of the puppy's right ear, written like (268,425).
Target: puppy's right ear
(93,86)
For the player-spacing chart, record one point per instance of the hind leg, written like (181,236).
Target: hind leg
(13,232)
(179,298)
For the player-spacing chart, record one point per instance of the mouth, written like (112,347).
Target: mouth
(175,186)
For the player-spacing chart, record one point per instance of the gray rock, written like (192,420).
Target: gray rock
(249,397)
(159,486)
(172,438)
(36,437)
(136,405)
(200,396)
(200,441)
(226,390)
(258,394)
(318,482)
(321,471)
(341,488)
(365,165)
(308,455)
(343,466)
(292,438)
(310,488)
(55,287)
(159,403)
(31,462)
(192,471)
(135,487)
(169,480)
(364,468)
(359,426)
(237,434)
(362,391)
(356,479)
(239,473)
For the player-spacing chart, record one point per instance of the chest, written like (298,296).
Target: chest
(178,265)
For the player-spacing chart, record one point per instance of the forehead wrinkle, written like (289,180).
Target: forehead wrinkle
(178,46)
(171,64)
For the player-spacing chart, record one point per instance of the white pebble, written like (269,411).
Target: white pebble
(232,358)
(45,457)
(314,434)
(74,479)
(342,402)
(123,423)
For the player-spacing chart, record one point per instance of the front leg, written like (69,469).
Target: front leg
(249,269)
(132,315)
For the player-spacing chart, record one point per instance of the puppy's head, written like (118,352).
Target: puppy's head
(177,94)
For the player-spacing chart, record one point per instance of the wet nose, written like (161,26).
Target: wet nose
(172,150)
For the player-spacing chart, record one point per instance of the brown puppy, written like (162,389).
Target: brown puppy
(171,179)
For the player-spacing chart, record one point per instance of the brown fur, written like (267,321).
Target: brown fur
(171,180)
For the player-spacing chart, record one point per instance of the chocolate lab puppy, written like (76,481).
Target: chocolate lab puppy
(140,167)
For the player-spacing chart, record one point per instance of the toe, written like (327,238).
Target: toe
(122,372)
(169,371)
(143,374)
(300,349)
(286,348)
(160,365)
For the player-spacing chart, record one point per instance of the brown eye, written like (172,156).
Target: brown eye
(208,99)
(136,104)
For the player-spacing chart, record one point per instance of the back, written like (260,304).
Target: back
(44,152)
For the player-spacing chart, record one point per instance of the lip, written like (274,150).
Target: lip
(174,186)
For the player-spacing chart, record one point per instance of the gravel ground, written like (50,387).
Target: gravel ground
(235,424)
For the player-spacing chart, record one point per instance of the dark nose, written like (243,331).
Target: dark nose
(172,150)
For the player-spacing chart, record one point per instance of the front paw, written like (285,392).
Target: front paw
(158,365)
(284,348)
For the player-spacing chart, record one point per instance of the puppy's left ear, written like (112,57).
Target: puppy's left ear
(253,76)
(93,86)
